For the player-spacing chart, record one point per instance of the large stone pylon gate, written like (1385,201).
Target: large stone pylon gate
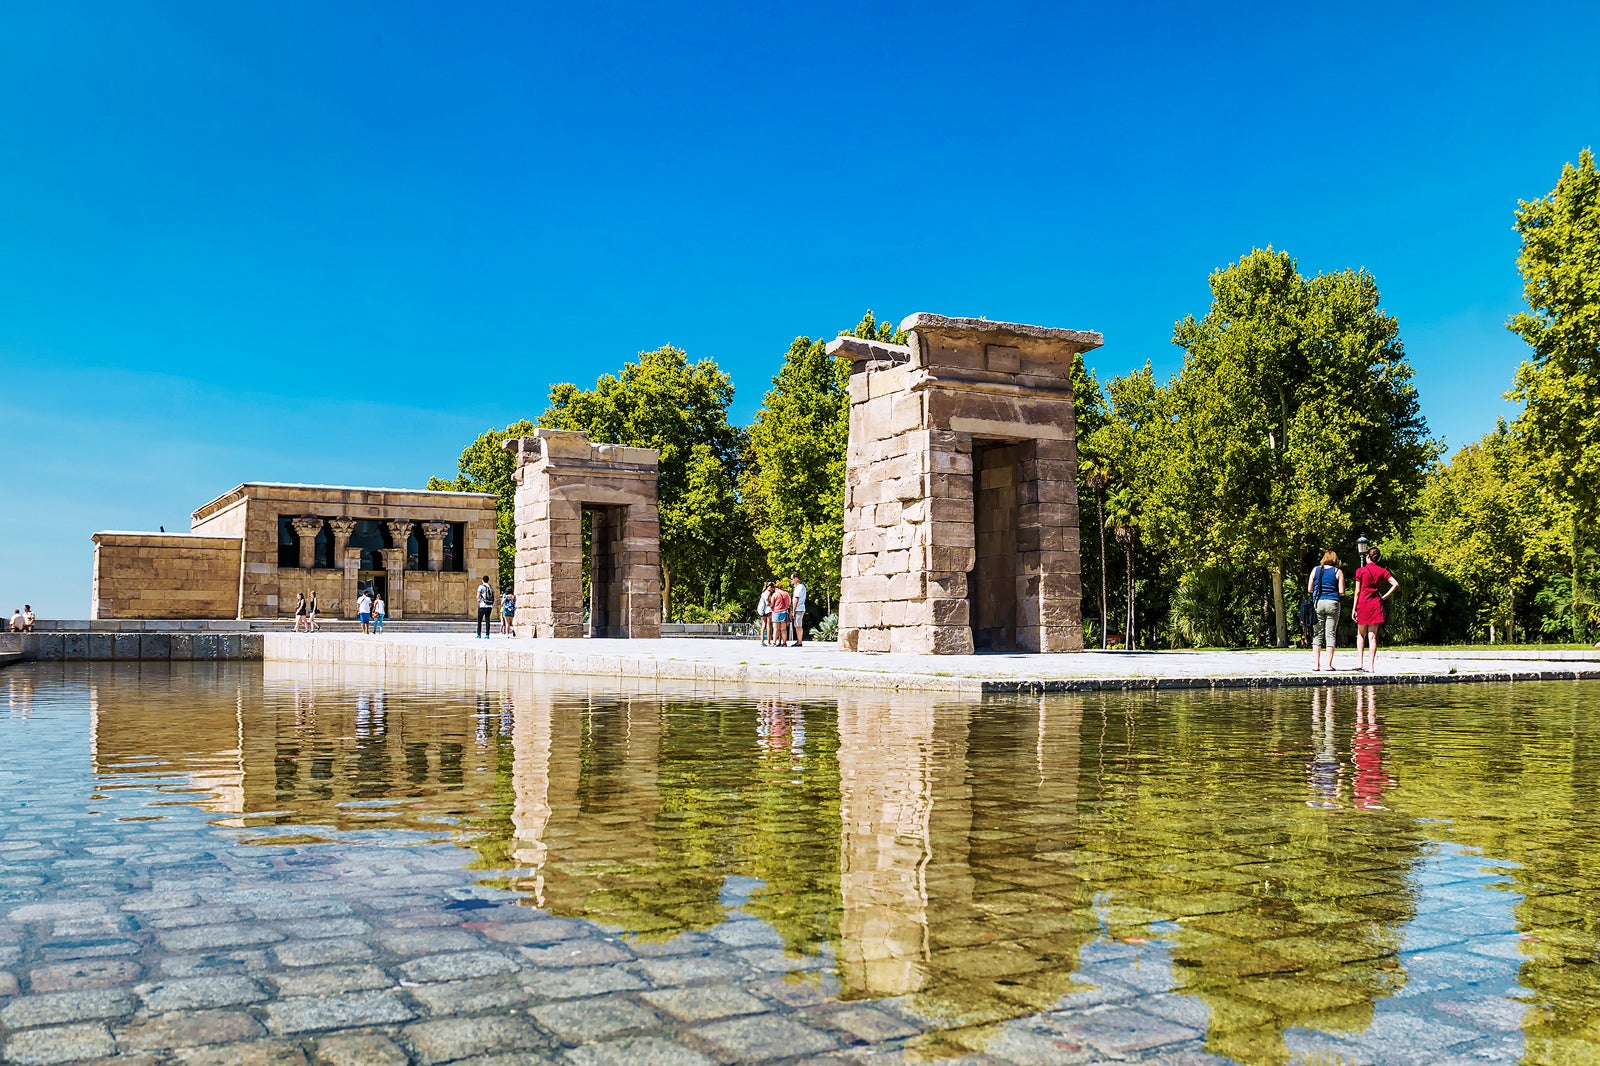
(961,504)
(561,476)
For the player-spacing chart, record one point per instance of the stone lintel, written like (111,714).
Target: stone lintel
(995,332)
(860,350)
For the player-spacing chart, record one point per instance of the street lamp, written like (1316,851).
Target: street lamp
(1362,544)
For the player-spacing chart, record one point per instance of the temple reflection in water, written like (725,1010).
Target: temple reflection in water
(1277,866)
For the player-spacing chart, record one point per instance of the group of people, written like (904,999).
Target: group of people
(1326,589)
(371,611)
(22,621)
(781,613)
(508,609)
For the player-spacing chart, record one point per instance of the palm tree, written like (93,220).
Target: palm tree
(1096,478)
(1124,522)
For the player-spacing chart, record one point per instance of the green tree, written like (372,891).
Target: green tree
(793,483)
(1293,419)
(663,401)
(1487,523)
(1560,384)
(485,466)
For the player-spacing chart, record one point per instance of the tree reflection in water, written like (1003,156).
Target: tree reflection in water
(965,856)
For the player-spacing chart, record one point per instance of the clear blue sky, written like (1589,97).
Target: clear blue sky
(333,242)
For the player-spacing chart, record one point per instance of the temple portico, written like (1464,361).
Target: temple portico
(249,552)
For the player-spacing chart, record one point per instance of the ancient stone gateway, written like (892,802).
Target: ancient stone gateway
(560,478)
(961,505)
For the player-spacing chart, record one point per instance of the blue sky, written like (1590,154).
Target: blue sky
(333,242)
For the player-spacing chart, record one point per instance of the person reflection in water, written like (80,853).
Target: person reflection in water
(1370,782)
(1325,772)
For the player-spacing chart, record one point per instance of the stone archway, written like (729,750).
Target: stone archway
(560,477)
(961,505)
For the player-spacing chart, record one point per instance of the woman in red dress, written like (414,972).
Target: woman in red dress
(1368,610)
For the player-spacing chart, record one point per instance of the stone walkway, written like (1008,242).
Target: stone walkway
(821,666)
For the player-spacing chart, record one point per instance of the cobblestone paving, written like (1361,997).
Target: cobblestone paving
(139,926)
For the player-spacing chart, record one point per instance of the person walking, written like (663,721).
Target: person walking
(780,616)
(380,611)
(485,605)
(299,611)
(364,611)
(764,613)
(311,614)
(1368,610)
(1326,587)
(508,612)
(797,609)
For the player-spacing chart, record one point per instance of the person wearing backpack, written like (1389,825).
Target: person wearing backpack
(1326,588)
(764,613)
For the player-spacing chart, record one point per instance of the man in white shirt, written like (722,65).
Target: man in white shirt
(364,611)
(797,615)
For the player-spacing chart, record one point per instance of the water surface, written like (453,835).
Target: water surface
(563,872)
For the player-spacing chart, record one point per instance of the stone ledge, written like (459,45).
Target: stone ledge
(930,323)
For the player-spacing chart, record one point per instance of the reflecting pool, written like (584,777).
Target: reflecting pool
(216,863)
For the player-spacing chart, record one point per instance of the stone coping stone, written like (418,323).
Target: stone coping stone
(928,323)
(709,663)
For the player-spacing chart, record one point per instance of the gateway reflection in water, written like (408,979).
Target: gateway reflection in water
(1289,873)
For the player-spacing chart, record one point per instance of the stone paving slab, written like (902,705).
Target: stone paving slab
(708,663)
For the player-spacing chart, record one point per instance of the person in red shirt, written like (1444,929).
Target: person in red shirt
(1368,610)
(780,614)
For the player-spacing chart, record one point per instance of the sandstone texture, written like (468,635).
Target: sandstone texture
(250,551)
(562,477)
(961,508)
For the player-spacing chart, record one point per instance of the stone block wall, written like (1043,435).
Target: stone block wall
(938,552)
(165,575)
(559,476)
(267,590)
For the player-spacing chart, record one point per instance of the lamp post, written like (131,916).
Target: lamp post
(1362,544)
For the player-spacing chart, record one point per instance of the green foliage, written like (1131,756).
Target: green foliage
(1293,422)
(1560,384)
(720,613)
(1430,606)
(793,484)
(485,466)
(828,628)
(663,401)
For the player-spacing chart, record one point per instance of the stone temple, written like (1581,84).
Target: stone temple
(249,551)
(961,507)
(562,481)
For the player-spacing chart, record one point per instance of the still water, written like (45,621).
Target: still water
(384,867)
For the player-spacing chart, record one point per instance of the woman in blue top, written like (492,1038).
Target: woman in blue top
(1326,586)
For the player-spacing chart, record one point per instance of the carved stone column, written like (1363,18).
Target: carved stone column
(394,565)
(307,527)
(350,559)
(435,532)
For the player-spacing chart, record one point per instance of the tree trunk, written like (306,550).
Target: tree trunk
(1100,510)
(1127,637)
(1277,606)
(666,591)
(1579,636)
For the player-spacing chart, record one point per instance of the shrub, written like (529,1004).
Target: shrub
(827,629)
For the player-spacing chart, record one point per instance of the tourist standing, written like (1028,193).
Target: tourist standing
(1326,587)
(797,609)
(364,611)
(780,615)
(508,612)
(311,614)
(485,606)
(16,620)
(764,612)
(299,611)
(27,618)
(380,611)
(1368,611)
